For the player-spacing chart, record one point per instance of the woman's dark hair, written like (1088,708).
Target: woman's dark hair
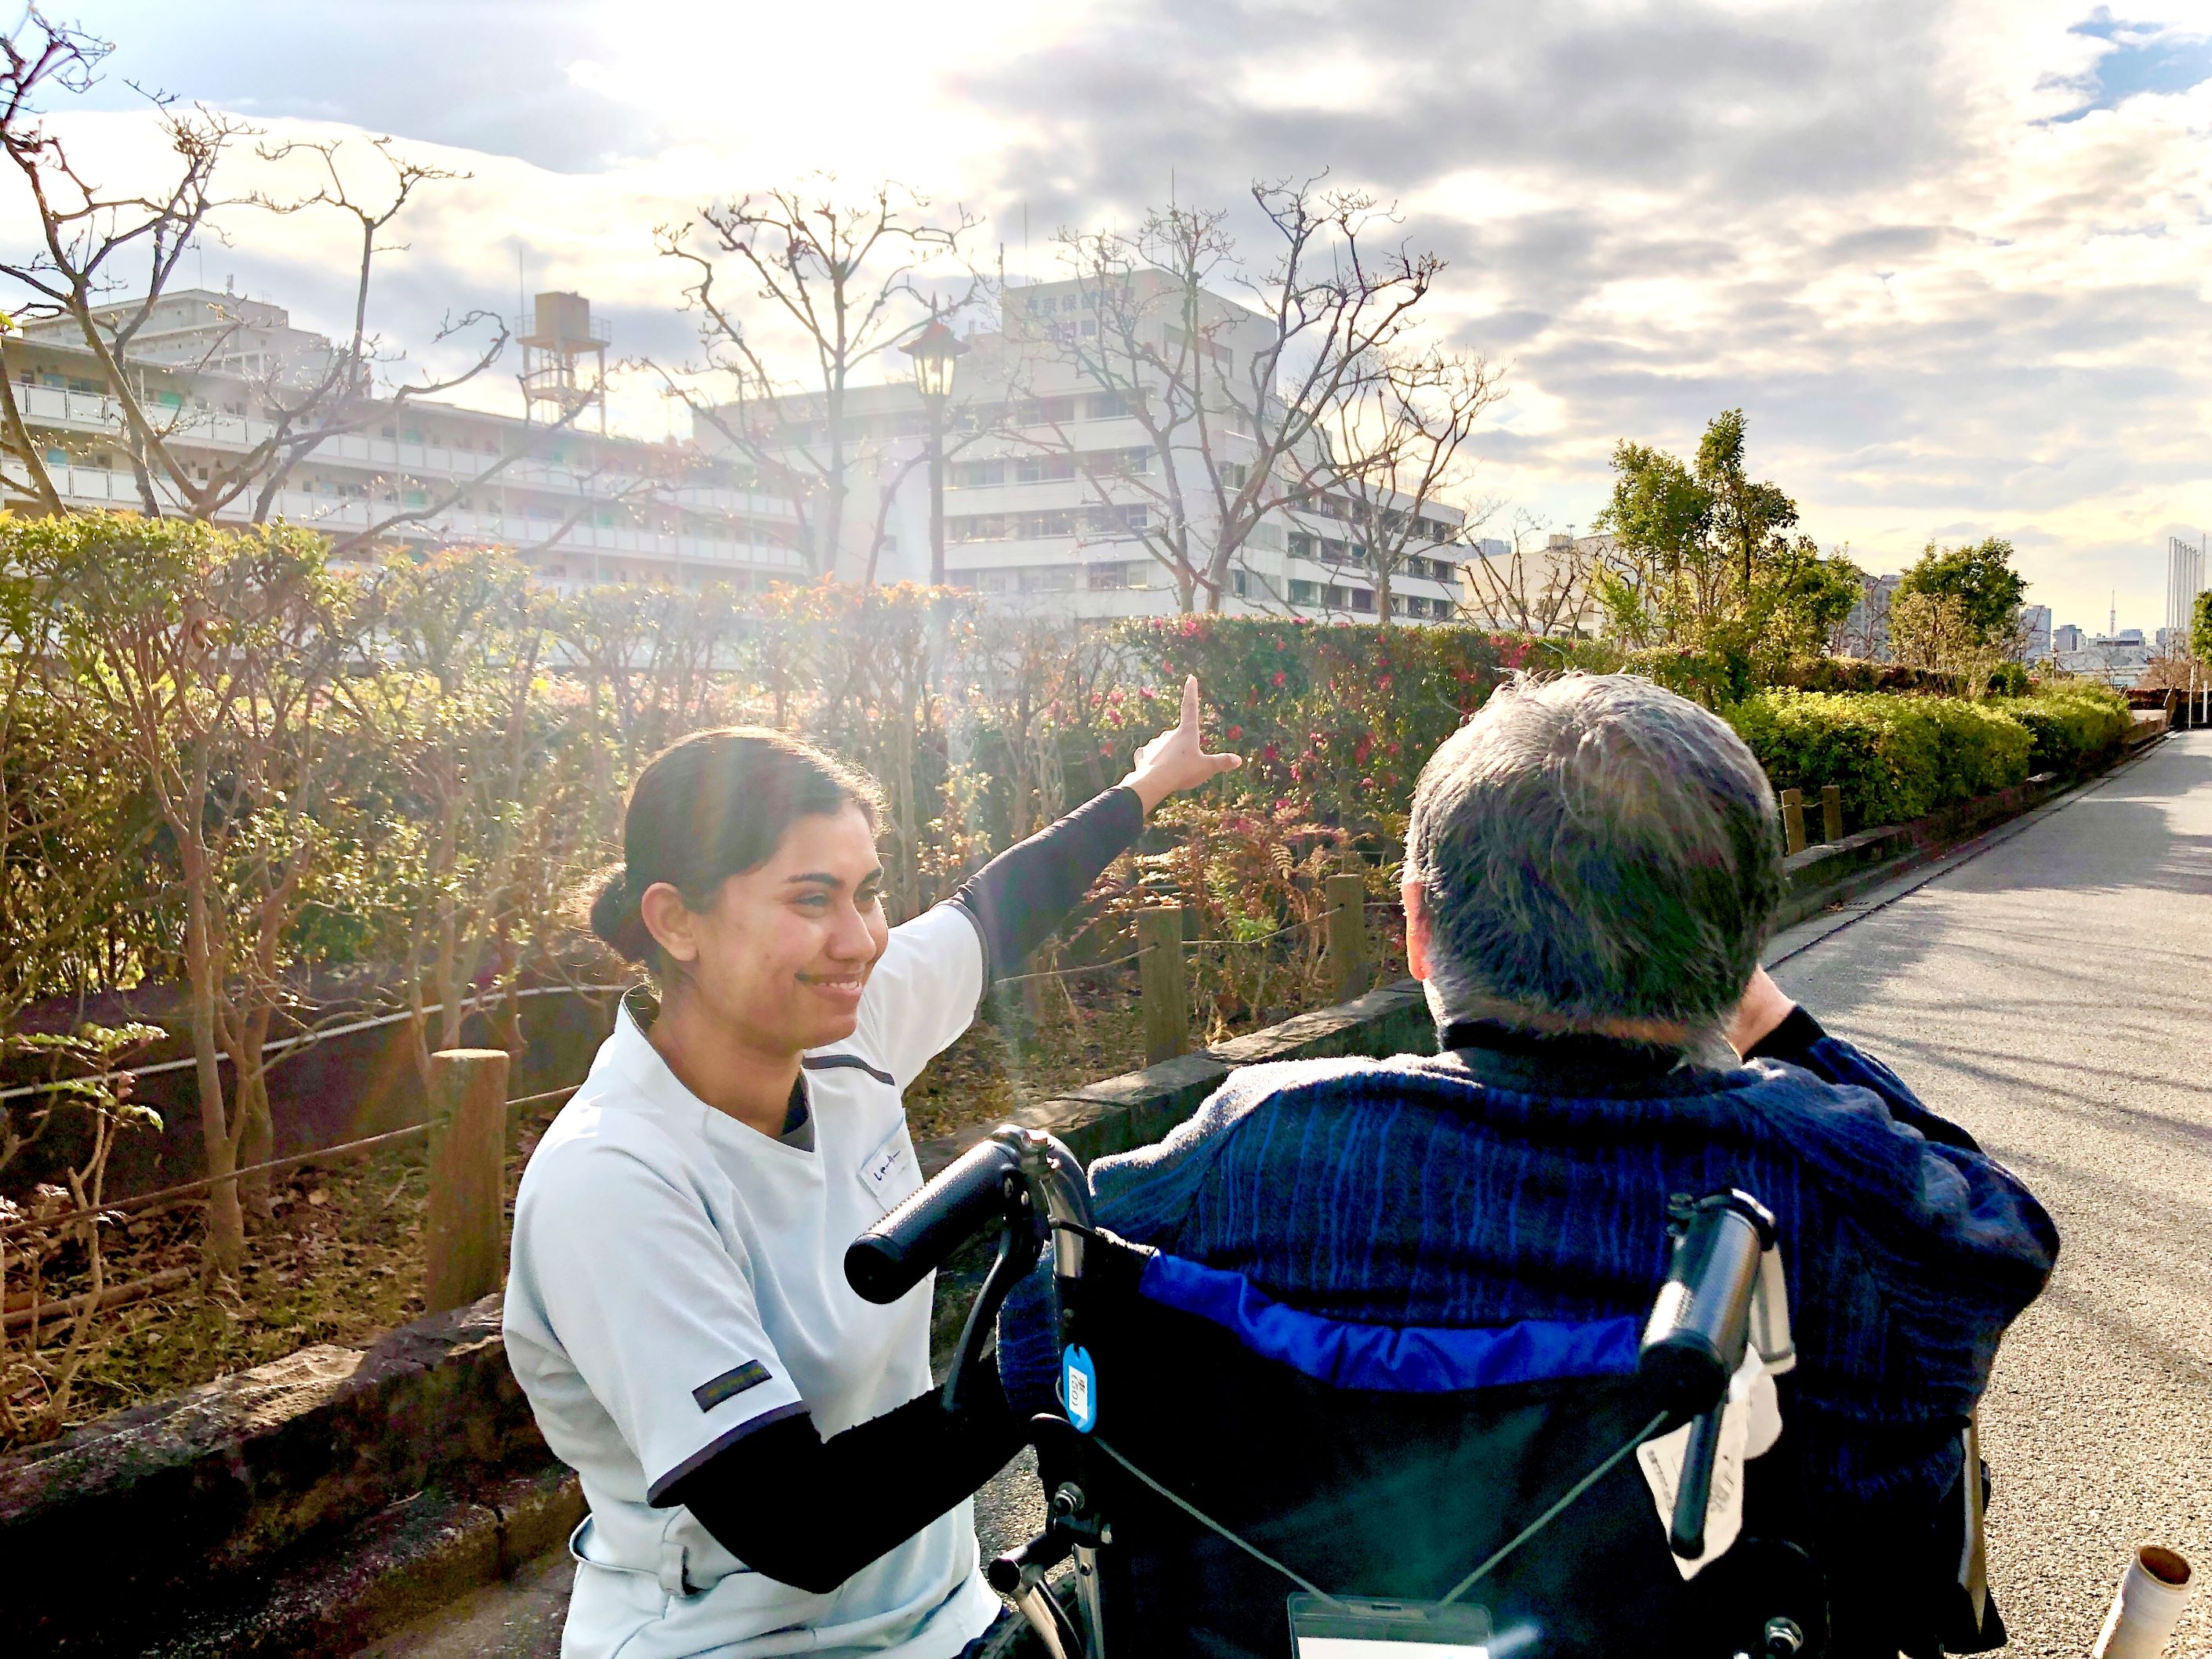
(711,806)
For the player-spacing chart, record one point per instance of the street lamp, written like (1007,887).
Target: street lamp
(934,351)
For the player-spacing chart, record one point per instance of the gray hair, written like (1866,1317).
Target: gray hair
(1595,849)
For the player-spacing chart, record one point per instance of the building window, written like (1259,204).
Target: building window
(975,475)
(1301,593)
(1122,518)
(1044,469)
(1106,406)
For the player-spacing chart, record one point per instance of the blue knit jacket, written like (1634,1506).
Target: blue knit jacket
(1509,1179)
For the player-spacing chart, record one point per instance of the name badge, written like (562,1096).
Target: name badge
(1079,1389)
(1367,1627)
(890,1172)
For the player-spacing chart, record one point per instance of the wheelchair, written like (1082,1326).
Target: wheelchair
(1231,1478)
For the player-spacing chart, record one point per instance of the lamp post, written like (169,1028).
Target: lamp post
(934,351)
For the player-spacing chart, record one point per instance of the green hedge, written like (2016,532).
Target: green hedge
(1896,758)
(2073,725)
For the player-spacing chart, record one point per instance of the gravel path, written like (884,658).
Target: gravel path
(2050,988)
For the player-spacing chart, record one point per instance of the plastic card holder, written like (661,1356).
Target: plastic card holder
(1371,1627)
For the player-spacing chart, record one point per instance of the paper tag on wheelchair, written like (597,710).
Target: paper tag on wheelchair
(1370,1627)
(1079,1389)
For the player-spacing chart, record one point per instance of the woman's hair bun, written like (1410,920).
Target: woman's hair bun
(616,918)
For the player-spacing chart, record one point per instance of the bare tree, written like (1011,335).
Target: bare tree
(1235,402)
(457,711)
(841,274)
(1532,585)
(105,260)
(1411,424)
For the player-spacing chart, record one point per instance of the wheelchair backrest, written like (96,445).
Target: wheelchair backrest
(1381,1464)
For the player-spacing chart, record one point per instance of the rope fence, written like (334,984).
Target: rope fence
(285,1047)
(471,1110)
(342,1151)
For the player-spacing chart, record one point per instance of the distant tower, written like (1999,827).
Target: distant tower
(555,341)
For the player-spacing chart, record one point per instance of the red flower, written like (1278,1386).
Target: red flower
(1271,753)
(1281,678)
(1234,733)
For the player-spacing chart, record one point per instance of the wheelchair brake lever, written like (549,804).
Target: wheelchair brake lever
(1018,1249)
(1016,1570)
(1694,1494)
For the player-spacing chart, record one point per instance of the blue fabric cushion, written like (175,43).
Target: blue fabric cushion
(1411,1359)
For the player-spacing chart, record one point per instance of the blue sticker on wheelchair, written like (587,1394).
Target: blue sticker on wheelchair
(1079,1389)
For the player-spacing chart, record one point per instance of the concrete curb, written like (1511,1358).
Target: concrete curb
(112,1539)
(421,1553)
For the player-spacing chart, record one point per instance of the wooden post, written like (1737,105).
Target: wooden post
(1349,965)
(1793,821)
(1160,978)
(1832,813)
(467,1247)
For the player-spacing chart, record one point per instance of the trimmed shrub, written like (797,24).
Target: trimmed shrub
(1978,747)
(1894,758)
(2074,724)
(1858,674)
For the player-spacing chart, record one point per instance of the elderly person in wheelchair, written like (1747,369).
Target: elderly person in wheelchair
(1643,1316)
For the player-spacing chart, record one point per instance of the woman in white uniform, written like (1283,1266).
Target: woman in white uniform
(767,1468)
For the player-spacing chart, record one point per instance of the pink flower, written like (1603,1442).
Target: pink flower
(1281,678)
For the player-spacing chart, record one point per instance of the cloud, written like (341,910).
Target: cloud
(1948,255)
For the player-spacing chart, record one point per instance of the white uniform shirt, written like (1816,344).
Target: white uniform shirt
(677,1279)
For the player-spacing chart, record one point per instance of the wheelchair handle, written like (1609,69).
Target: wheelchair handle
(911,1243)
(1701,1322)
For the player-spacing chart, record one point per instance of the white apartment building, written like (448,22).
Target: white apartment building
(1049,510)
(580,507)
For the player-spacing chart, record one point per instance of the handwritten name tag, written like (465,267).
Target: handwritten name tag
(889,1171)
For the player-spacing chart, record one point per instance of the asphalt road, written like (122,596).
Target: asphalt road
(2052,992)
(2048,987)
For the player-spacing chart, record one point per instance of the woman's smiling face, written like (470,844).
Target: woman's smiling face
(783,952)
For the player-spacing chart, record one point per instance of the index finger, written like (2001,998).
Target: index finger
(1190,702)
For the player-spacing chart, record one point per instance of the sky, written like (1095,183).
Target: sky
(1950,256)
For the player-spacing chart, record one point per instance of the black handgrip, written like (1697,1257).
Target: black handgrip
(896,1254)
(1044,1551)
(1695,1338)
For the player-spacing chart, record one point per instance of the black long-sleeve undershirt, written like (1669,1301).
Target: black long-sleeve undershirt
(813,1512)
(1020,897)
